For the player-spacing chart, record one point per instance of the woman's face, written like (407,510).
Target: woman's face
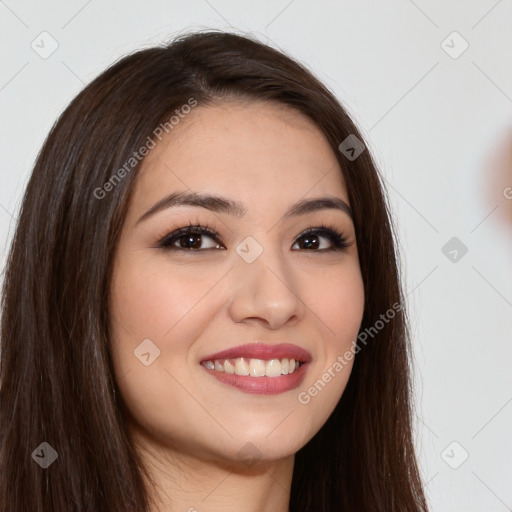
(256,279)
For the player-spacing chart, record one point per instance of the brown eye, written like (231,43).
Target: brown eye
(189,238)
(311,238)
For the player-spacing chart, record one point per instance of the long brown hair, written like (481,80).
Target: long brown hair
(57,383)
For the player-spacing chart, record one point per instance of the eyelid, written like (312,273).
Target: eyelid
(197,227)
(336,236)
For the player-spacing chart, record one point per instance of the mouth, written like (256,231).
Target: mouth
(254,367)
(258,368)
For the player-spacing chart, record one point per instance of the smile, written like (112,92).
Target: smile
(254,367)
(258,368)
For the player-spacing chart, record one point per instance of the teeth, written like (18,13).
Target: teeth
(273,368)
(254,367)
(257,367)
(241,366)
(228,367)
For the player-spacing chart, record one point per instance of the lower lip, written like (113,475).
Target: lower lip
(262,385)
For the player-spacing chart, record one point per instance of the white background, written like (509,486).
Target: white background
(440,129)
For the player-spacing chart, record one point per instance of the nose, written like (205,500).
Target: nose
(265,291)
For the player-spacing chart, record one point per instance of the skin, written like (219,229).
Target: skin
(190,429)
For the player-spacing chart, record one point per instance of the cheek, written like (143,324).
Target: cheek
(150,299)
(145,303)
(338,304)
(337,300)
(167,305)
(170,305)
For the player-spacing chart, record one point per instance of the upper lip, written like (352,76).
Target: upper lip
(258,350)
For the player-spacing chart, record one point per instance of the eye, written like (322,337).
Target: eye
(311,237)
(190,238)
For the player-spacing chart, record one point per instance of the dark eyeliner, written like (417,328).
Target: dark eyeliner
(338,239)
(192,229)
(166,242)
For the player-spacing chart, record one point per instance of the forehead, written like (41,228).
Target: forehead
(253,152)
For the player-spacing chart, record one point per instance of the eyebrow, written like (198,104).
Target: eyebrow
(224,205)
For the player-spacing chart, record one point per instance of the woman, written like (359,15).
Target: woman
(202,307)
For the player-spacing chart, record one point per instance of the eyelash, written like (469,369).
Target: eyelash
(338,239)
